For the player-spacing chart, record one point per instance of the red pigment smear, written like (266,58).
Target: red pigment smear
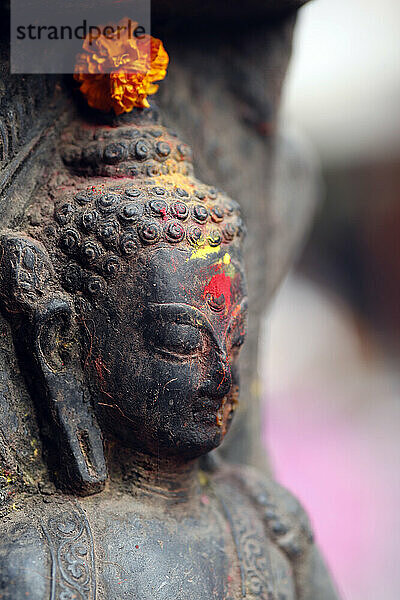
(163,211)
(219,284)
(100,367)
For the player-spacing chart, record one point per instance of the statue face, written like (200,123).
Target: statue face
(166,368)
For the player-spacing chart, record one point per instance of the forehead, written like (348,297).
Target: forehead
(193,277)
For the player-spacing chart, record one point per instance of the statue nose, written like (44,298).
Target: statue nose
(219,382)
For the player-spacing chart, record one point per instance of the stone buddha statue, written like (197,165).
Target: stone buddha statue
(125,288)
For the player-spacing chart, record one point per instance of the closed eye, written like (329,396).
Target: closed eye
(176,340)
(181,329)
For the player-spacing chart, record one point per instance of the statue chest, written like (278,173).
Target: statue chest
(163,553)
(112,552)
(152,559)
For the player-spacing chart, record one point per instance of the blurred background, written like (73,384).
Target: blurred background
(332,343)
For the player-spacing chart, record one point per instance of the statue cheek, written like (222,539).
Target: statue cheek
(168,384)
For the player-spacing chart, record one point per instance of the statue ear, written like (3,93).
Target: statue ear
(28,288)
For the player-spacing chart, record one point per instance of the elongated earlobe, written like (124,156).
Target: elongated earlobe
(79,437)
(28,288)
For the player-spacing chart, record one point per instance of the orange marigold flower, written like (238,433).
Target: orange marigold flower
(118,72)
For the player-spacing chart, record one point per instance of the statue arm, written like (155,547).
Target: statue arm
(320,583)
(296,540)
(293,534)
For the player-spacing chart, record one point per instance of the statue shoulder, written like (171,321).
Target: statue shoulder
(285,519)
(25,560)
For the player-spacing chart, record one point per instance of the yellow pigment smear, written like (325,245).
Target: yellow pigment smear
(176,180)
(204,251)
(229,268)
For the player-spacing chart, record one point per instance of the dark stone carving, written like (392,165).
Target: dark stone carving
(128,302)
(120,336)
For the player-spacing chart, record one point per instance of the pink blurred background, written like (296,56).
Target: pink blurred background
(332,427)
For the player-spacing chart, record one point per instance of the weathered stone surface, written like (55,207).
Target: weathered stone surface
(125,289)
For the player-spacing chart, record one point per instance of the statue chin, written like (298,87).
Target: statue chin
(170,437)
(194,441)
